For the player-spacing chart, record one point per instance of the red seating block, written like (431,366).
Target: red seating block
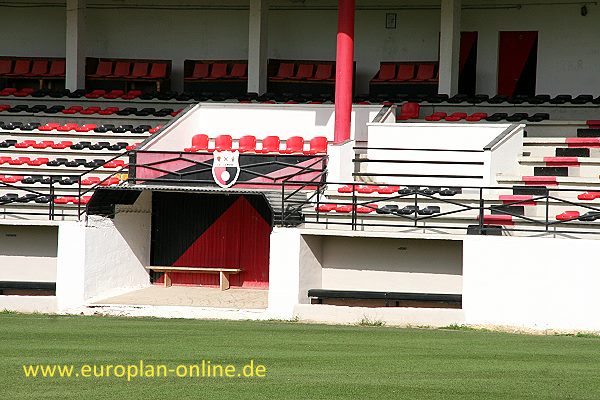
(366,209)
(218,71)
(19,161)
(305,71)
(408,111)
(457,116)
(95,94)
(62,145)
(476,117)
(588,196)
(132,94)
(39,68)
(201,71)
(38,161)
(199,143)
(591,142)
(436,116)
(247,144)
(114,94)
(324,72)
(387,72)
(5,67)
(540,180)
(567,215)
(388,189)
(562,161)
(425,72)
(121,69)
(318,145)
(270,144)
(286,71)
(139,70)
(238,71)
(21,68)
(294,144)
(345,189)
(406,72)
(521,200)
(25,144)
(498,219)
(104,69)
(343,209)
(223,143)
(326,207)
(367,189)
(157,71)
(155,129)
(57,69)
(92,180)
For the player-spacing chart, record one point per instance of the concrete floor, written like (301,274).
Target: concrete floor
(192,297)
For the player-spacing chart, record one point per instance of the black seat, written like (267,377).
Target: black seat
(54,109)
(458,98)
(582,99)
(104,128)
(517,117)
(77,94)
(9,197)
(495,117)
(57,162)
(497,99)
(122,128)
(539,117)
(429,210)
(449,192)
(30,126)
(126,111)
(42,199)
(408,210)
(561,99)
(387,209)
(478,98)
(81,145)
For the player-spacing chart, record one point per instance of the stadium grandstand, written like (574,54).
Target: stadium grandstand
(425,162)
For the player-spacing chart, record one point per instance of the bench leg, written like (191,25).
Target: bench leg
(224,281)
(167,279)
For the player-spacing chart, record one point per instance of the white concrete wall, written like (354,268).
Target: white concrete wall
(462,143)
(208,29)
(535,283)
(117,250)
(260,120)
(28,253)
(400,265)
(284,272)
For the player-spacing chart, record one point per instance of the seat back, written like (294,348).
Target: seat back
(223,143)
(387,72)
(318,144)
(5,67)
(159,70)
(410,110)
(239,70)
(286,70)
(22,67)
(247,144)
(218,70)
(39,67)
(104,68)
(426,71)
(122,68)
(57,68)
(294,144)
(405,72)
(305,71)
(270,144)
(200,71)
(139,69)
(324,71)
(200,141)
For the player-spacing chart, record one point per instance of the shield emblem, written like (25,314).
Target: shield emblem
(226,168)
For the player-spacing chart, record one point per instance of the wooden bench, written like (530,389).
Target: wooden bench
(223,272)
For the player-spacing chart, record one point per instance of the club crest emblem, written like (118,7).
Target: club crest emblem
(226,168)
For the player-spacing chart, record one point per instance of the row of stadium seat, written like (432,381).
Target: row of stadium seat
(27,68)
(387,190)
(74,127)
(41,199)
(78,162)
(61,180)
(248,144)
(218,71)
(315,72)
(406,72)
(478,116)
(78,109)
(50,144)
(123,69)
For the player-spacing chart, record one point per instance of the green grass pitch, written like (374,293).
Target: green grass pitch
(302,361)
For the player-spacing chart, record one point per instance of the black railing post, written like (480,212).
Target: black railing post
(416,204)
(51,208)
(481,209)
(547,209)
(353,206)
(282,201)
(79,200)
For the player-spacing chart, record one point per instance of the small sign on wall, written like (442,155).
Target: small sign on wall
(390,20)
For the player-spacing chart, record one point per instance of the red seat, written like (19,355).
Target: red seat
(270,144)
(369,208)
(324,72)
(199,143)
(57,69)
(39,68)
(90,110)
(4,160)
(367,189)
(305,71)
(19,161)
(103,69)
(326,207)
(200,71)
(238,71)
(43,144)
(318,145)
(218,71)
(406,72)
(476,117)
(426,72)
(95,94)
(409,110)
(62,145)
(68,127)
(247,144)
(132,94)
(25,144)
(5,67)
(387,72)
(567,215)
(140,69)
(388,189)
(345,189)
(588,196)
(294,144)
(158,71)
(223,143)
(38,161)
(457,116)
(286,71)
(155,129)
(121,69)
(108,111)
(92,180)
(22,67)
(113,94)
(436,116)
(86,128)
(110,182)
(343,209)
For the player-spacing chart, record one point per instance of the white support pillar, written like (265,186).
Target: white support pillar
(258,46)
(449,47)
(75,55)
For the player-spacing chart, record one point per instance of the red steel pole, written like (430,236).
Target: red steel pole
(344,74)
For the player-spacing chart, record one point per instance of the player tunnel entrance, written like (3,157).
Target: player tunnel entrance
(212,231)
